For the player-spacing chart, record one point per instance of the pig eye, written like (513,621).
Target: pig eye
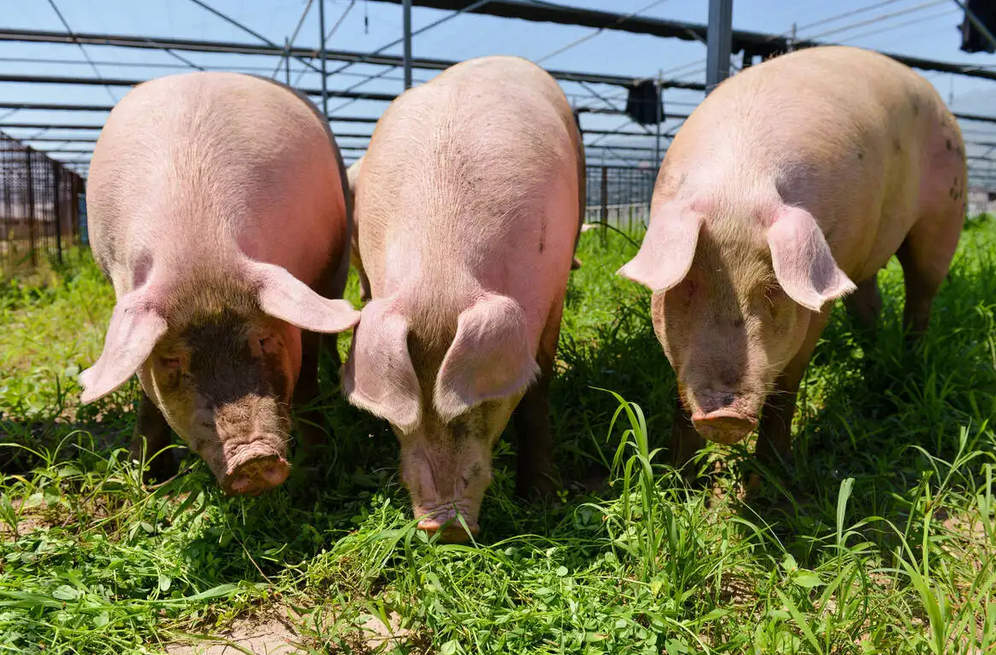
(267,343)
(170,363)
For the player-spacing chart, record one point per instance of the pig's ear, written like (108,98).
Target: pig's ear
(803,263)
(490,357)
(134,330)
(379,376)
(668,248)
(283,296)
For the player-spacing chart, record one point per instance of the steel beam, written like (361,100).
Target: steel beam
(757,42)
(231,47)
(407,35)
(718,42)
(93,81)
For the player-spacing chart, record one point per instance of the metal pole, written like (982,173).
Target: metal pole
(321,27)
(660,119)
(57,207)
(605,201)
(719,42)
(407,10)
(287,63)
(30,178)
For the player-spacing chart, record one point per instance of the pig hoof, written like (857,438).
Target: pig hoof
(256,476)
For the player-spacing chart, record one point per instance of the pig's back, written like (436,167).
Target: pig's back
(472,180)
(846,133)
(199,167)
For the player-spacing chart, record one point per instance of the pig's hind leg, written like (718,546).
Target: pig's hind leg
(925,256)
(865,304)
(152,435)
(311,419)
(536,473)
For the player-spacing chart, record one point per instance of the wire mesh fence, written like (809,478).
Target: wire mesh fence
(39,208)
(619,196)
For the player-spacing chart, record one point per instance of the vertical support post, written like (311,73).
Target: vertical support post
(287,60)
(790,46)
(57,207)
(30,178)
(605,201)
(407,28)
(660,119)
(325,81)
(719,41)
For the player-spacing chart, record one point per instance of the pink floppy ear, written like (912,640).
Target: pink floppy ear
(668,248)
(490,357)
(134,330)
(379,376)
(283,296)
(803,263)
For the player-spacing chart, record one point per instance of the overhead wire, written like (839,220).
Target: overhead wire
(290,42)
(598,31)
(86,56)
(877,19)
(335,28)
(448,17)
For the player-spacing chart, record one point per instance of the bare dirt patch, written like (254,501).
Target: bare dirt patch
(271,636)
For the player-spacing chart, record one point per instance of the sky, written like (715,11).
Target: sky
(923,28)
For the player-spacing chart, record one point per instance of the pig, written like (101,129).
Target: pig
(471,203)
(791,185)
(219,210)
(353,174)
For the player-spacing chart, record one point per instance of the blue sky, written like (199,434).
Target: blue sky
(925,28)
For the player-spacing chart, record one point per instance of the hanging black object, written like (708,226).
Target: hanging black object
(972,39)
(644,104)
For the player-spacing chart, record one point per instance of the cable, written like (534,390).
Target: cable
(290,42)
(846,14)
(72,35)
(328,36)
(890,28)
(598,31)
(468,8)
(877,19)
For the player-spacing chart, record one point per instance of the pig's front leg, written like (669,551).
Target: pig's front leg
(153,434)
(536,473)
(306,393)
(685,439)
(774,442)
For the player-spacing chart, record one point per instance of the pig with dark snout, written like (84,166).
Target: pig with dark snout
(353,174)
(471,201)
(218,208)
(791,185)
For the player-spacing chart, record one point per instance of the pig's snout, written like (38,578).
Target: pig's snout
(444,521)
(722,416)
(254,473)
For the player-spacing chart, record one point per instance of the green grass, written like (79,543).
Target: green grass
(880,537)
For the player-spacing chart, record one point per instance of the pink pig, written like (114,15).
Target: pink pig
(470,201)
(219,209)
(791,185)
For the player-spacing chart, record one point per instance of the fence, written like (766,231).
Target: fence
(39,208)
(619,195)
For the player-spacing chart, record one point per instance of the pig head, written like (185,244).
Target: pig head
(449,419)
(733,298)
(223,372)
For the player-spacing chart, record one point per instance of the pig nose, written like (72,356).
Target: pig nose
(724,426)
(256,476)
(451,533)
